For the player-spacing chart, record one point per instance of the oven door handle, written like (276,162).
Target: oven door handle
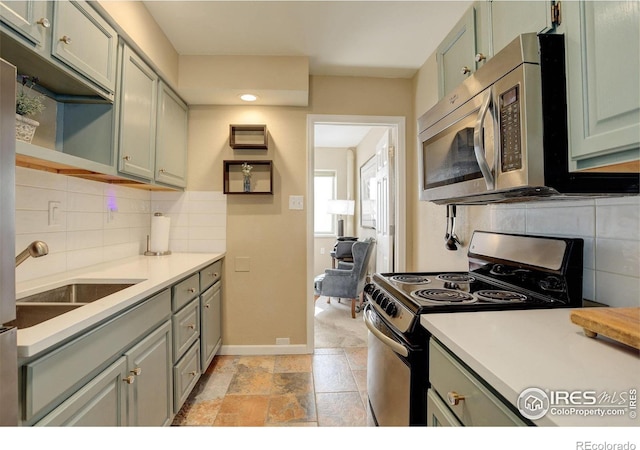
(395,346)
(478,142)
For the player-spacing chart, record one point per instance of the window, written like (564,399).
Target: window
(324,189)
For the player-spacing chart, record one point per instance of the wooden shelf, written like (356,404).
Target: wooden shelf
(261,177)
(248,137)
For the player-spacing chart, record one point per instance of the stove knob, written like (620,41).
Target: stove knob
(384,301)
(369,288)
(391,309)
(375,295)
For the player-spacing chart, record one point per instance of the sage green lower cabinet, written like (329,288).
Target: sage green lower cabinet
(150,380)
(186,374)
(210,328)
(101,402)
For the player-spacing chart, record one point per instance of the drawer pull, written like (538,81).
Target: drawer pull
(207,305)
(191,290)
(136,371)
(66,40)
(129,380)
(193,374)
(191,326)
(454,398)
(44,22)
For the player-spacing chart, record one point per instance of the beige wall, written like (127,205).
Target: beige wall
(134,21)
(269,301)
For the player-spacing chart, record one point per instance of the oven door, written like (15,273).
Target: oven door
(388,373)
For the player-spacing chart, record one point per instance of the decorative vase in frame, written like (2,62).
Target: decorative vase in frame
(247,184)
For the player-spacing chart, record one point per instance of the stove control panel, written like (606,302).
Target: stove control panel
(390,308)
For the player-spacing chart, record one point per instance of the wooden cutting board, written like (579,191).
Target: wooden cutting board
(620,324)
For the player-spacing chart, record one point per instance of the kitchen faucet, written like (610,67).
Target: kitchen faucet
(35,249)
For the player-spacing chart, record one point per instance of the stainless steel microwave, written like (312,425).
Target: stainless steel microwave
(502,134)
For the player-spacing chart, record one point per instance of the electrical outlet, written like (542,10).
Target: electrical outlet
(296,202)
(322,250)
(54,213)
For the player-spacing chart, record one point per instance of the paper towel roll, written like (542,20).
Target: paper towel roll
(159,233)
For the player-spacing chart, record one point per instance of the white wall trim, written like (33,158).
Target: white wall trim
(397,122)
(243,350)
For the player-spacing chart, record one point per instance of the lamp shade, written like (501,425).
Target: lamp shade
(341,207)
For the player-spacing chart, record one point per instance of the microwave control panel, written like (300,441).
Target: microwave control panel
(510,135)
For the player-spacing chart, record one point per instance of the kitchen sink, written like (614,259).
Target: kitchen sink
(38,308)
(76,293)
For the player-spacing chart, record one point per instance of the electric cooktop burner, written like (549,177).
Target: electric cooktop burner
(443,296)
(456,277)
(410,279)
(498,296)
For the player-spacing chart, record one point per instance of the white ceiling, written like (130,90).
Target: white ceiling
(346,38)
(340,38)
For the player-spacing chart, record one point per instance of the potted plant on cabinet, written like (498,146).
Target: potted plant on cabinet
(27,104)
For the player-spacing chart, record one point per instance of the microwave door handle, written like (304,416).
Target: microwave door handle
(478,143)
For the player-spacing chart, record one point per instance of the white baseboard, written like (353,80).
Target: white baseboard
(242,350)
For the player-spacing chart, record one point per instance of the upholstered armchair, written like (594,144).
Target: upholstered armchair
(348,280)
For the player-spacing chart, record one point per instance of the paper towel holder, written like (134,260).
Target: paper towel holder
(149,252)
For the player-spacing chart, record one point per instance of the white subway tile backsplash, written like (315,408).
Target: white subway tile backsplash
(610,228)
(84,202)
(37,199)
(617,290)
(207,220)
(41,267)
(38,178)
(36,222)
(77,221)
(83,186)
(86,239)
(618,256)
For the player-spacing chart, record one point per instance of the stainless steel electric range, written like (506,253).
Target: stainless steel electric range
(506,271)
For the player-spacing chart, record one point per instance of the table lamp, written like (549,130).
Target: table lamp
(341,208)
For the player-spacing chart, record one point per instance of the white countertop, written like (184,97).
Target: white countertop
(150,273)
(516,350)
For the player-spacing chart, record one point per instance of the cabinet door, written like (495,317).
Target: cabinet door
(85,41)
(603,89)
(28,18)
(456,54)
(101,402)
(138,95)
(210,332)
(171,138)
(509,19)
(150,373)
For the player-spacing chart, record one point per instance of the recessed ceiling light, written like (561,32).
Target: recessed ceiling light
(248,97)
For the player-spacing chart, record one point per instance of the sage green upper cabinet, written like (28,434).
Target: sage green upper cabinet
(85,41)
(171,138)
(466,48)
(138,96)
(510,19)
(603,86)
(28,18)
(455,55)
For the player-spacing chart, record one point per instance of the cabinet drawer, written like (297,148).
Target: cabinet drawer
(210,275)
(51,376)
(186,328)
(185,375)
(185,291)
(479,406)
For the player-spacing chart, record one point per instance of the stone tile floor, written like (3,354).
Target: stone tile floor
(326,389)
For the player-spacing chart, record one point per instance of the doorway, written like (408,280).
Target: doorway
(369,180)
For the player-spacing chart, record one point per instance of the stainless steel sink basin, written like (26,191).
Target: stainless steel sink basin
(76,293)
(38,308)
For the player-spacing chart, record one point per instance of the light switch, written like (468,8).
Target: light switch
(296,202)
(54,213)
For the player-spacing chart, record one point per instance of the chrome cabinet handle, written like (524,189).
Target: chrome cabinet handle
(129,380)
(44,22)
(480,57)
(454,398)
(465,70)
(65,39)
(137,371)
(478,142)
